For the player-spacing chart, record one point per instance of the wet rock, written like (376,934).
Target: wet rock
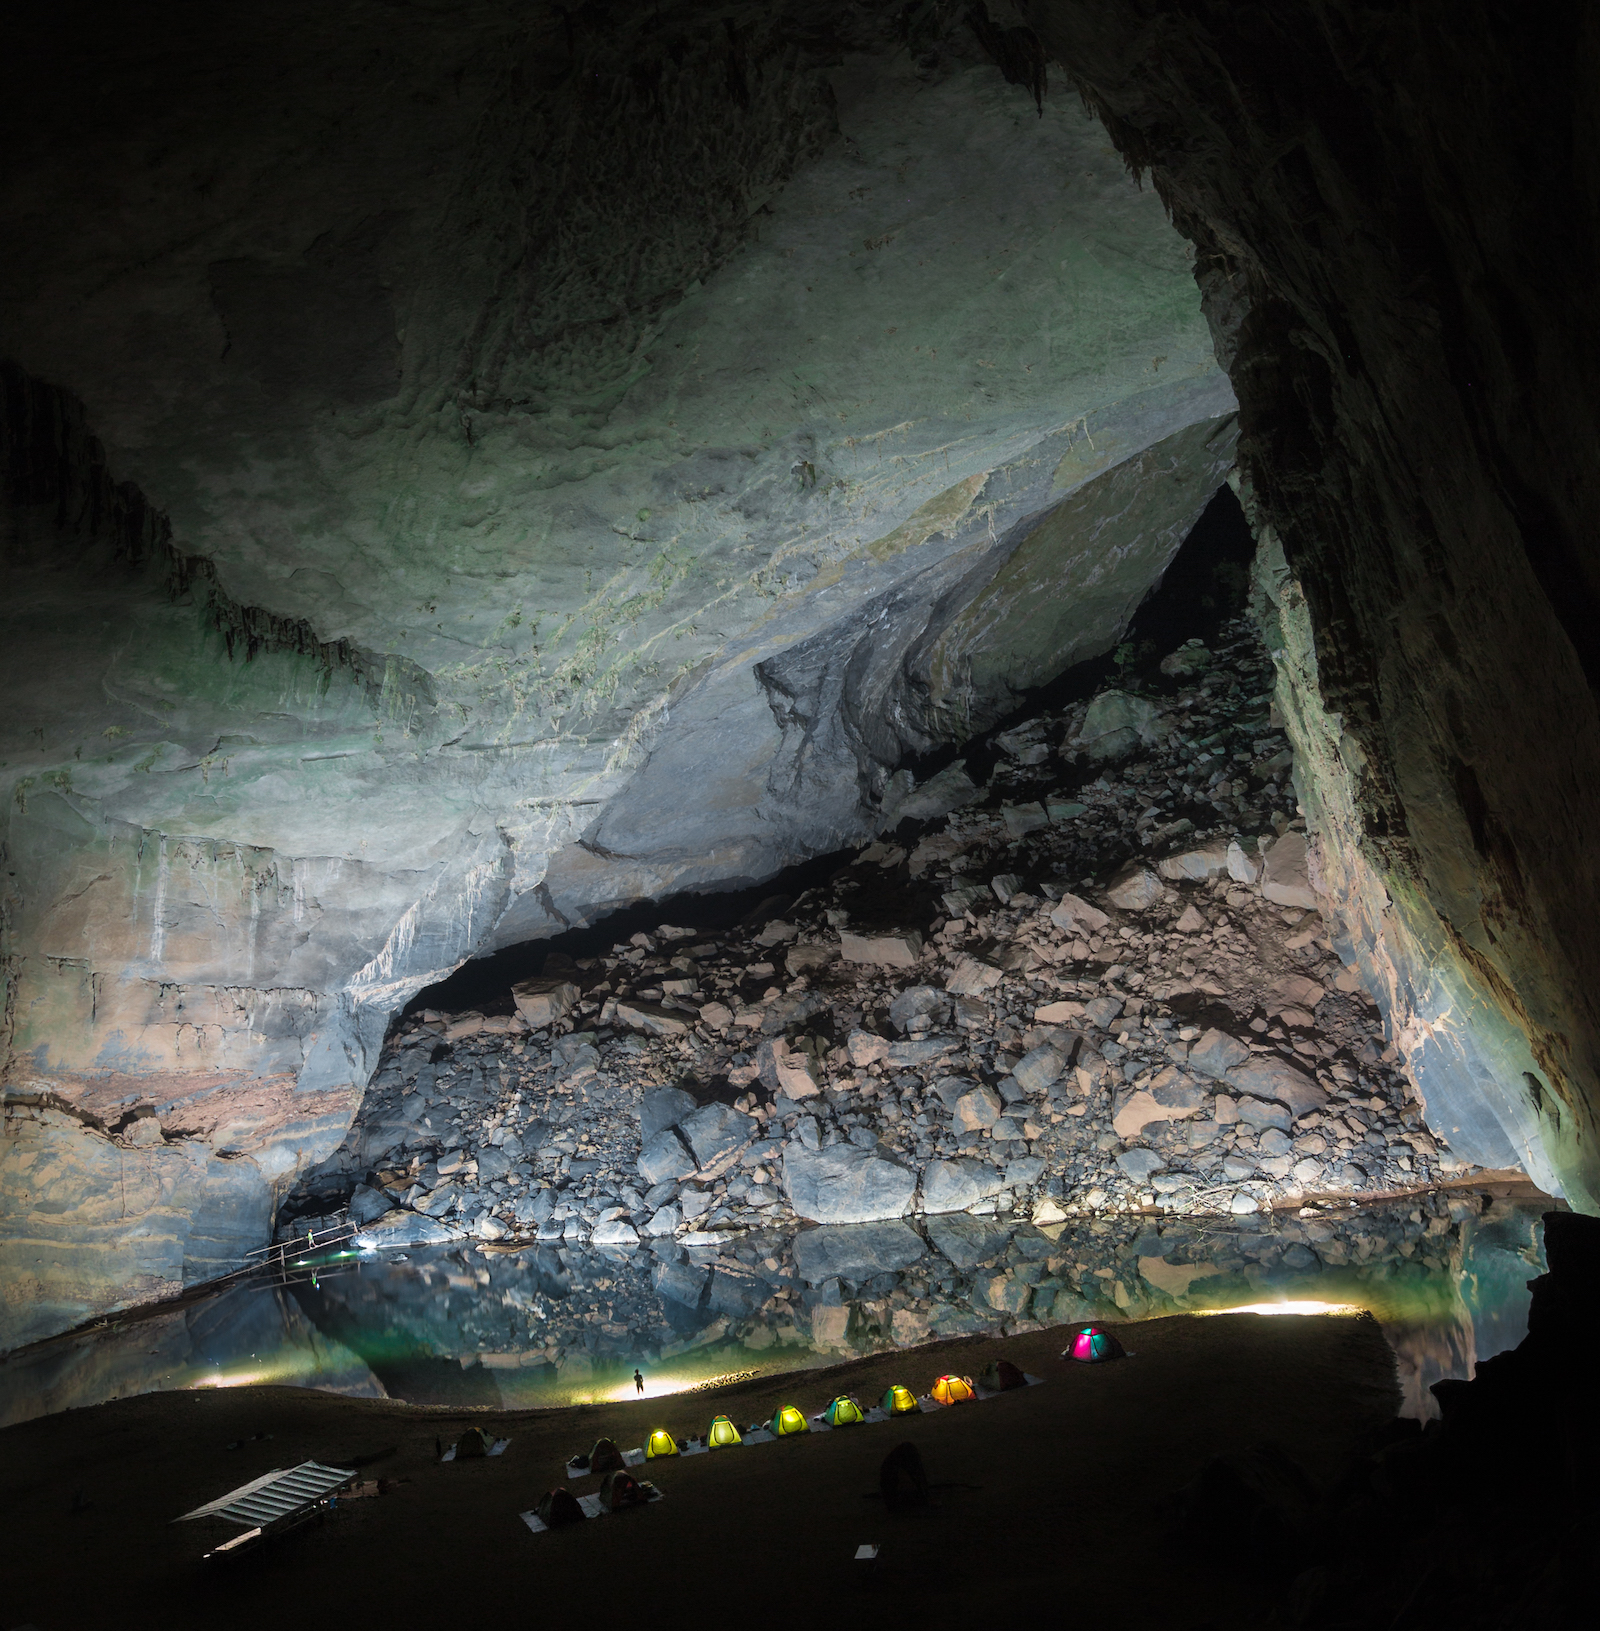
(856,1252)
(845,1185)
(664,1221)
(614,1232)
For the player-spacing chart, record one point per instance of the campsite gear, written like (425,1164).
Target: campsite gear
(843,1412)
(1093,1344)
(1002,1374)
(953,1390)
(559,1506)
(787,1419)
(723,1434)
(902,1480)
(473,1444)
(580,1462)
(605,1456)
(660,1443)
(619,1489)
(899,1401)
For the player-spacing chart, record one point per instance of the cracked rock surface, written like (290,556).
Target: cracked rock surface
(428,475)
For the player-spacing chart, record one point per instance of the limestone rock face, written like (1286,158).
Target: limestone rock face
(1423,513)
(397,527)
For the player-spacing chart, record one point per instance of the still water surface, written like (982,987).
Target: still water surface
(1446,1279)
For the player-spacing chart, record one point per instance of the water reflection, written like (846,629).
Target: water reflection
(546,1325)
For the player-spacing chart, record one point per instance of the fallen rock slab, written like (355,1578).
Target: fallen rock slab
(899,950)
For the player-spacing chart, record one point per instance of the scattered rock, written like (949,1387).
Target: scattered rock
(1135,890)
(543,1001)
(882,950)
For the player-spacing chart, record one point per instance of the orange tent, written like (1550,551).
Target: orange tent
(953,1390)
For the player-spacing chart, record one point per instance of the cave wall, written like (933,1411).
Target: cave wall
(1394,214)
(431,440)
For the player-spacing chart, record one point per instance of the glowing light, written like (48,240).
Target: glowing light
(1301,1307)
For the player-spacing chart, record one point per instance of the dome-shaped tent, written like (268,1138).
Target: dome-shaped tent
(1092,1345)
(660,1443)
(787,1419)
(559,1506)
(843,1412)
(1001,1375)
(899,1401)
(605,1456)
(953,1390)
(723,1434)
(619,1489)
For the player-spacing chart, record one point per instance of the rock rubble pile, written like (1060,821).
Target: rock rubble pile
(1096,983)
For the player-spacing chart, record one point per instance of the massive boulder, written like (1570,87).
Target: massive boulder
(845,1184)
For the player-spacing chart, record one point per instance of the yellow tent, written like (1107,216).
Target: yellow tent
(660,1443)
(843,1412)
(788,1419)
(900,1401)
(723,1434)
(953,1390)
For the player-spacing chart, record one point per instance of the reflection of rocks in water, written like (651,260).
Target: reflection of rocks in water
(1480,1311)
(553,1323)
(249,1334)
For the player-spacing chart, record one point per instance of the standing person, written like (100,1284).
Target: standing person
(638,1382)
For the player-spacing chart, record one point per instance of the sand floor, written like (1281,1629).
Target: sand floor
(1068,1513)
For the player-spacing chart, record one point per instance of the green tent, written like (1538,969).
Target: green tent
(843,1412)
